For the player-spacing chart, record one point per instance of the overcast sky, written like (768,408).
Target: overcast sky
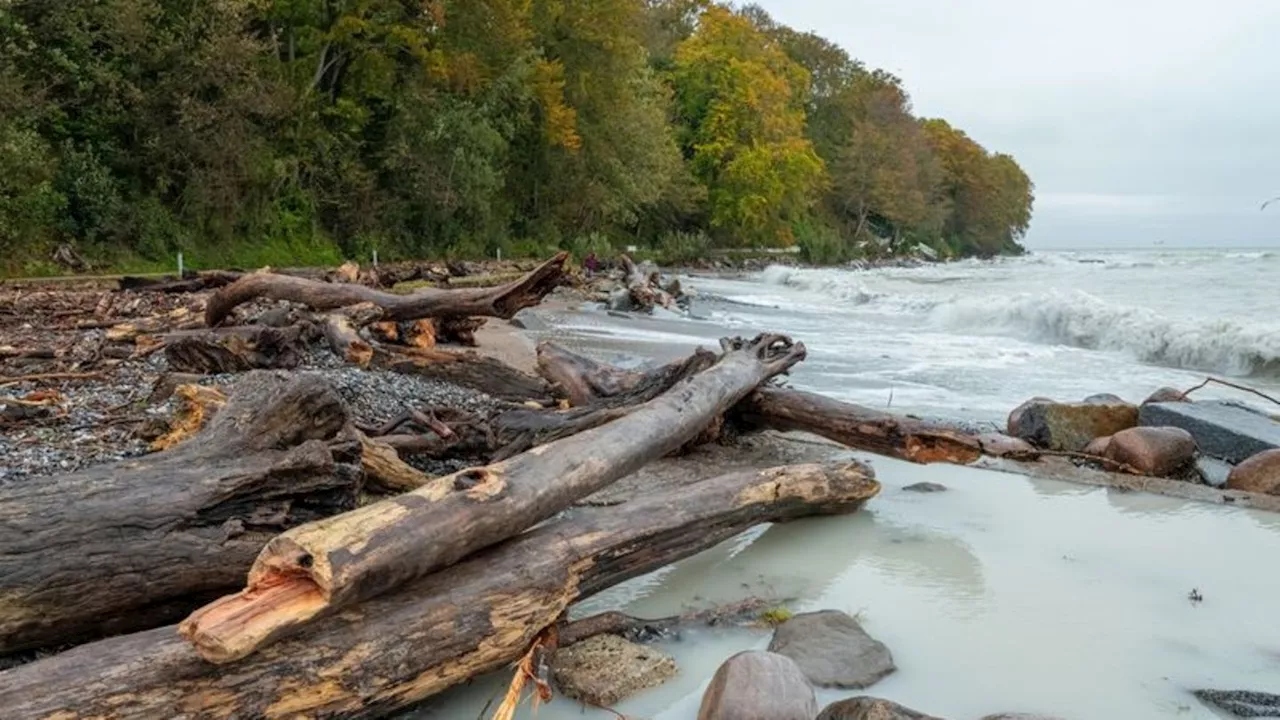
(1139,121)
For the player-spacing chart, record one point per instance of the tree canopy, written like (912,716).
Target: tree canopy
(292,132)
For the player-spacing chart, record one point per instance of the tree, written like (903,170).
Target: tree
(740,103)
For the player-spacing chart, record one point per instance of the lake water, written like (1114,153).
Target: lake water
(1005,593)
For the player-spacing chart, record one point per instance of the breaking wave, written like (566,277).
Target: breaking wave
(1073,318)
(1081,320)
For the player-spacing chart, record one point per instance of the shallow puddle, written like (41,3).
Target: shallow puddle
(1002,594)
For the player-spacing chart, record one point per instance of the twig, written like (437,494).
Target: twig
(1114,465)
(525,672)
(1229,384)
(7,381)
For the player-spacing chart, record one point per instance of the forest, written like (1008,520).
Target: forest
(304,132)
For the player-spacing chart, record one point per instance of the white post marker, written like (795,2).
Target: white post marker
(375,257)
(179,264)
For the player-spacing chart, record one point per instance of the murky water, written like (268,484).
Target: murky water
(1003,594)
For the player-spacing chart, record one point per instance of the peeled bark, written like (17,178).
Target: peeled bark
(503,301)
(140,542)
(859,427)
(401,648)
(318,569)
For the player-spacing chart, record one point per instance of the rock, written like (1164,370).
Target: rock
(604,669)
(1159,451)
(1098,446)
(998,444)
(1260,473)
(757,685)
(1222,430)
(1069,426)
(832,649)
(925,487)
(1242,703)
(1166,394)
(1213,471)
(869,708)
(275,317)
(1104,399)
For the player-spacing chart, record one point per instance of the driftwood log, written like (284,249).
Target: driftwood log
(140,542)
(503,301)
(586,381)
(644,289)
(238,349)
(398,649)
(320,568)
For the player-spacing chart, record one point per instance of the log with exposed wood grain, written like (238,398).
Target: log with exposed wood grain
(141,542)
(318,569)
(397,649)
(502,301)
(586,381)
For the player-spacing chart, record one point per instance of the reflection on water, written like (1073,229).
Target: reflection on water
(1002,594)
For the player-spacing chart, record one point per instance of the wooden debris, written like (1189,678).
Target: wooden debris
(141,542)
(403,647)
(316,570)
(199,404)
(502,301)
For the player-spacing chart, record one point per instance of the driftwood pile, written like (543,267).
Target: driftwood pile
(284,561)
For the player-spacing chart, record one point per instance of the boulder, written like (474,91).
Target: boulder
(998,444)
(832,650)
(604,669)
(1158,451)
(1166,394)
(1242,703)
(1105,399)
(1213,471)
(1098,446)
(1222,430)
(758,685)
(1069,426)
(869,708)
(1260,473)
(925,487)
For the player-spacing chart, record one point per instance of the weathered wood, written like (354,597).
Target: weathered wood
(637,629)
(385,471)
(190,282)
(140,542)
(468,369)
(502,301)
(858,427)
(230,350)
(587,381)
(316,570)
(644,289)
(398,649)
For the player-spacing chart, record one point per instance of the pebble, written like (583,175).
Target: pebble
(81,437)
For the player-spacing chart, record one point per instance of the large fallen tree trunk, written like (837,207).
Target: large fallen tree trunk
(503,301)
(318,569)
(644,289)
(586,381)
(141,542)
(237,349)
(398,649)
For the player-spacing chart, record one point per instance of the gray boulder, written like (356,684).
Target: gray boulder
(757,685)
(1166,394)
(604,669)
(833,650)
(1213,471)
(869,708)
(1222,430)
(925,487)
(1069,426)
(1242,703)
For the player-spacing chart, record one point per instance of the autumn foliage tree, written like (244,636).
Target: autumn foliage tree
(289,132)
